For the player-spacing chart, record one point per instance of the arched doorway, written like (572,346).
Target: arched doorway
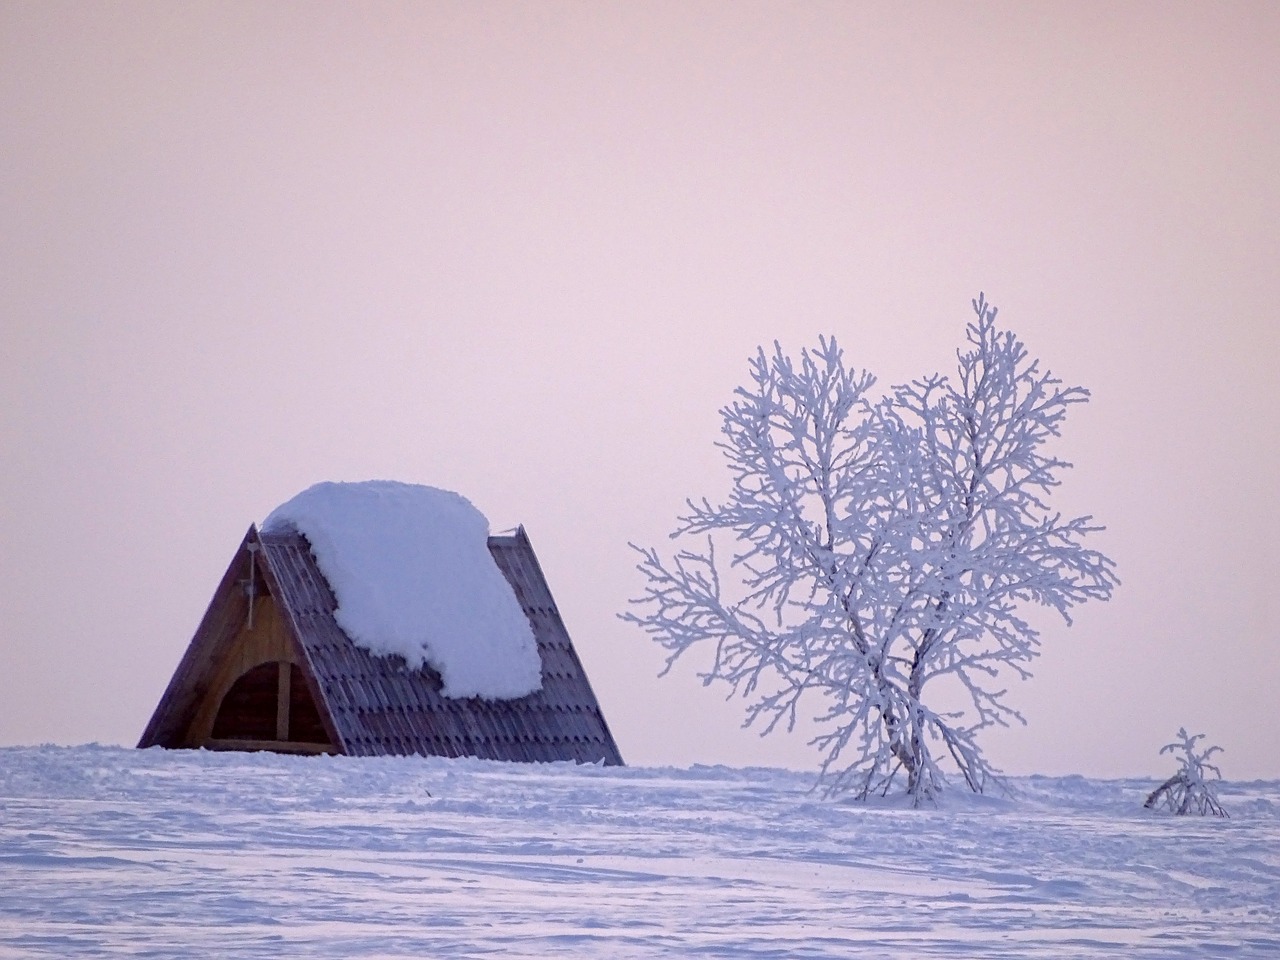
(269,703)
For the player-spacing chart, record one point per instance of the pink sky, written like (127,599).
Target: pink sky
(523,251)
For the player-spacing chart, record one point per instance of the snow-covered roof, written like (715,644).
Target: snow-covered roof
(413,576)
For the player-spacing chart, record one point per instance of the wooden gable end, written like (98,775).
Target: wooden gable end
(244,682)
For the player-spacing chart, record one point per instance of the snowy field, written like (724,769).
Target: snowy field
(107,851)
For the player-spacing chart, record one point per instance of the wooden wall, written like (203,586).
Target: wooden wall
(257,698)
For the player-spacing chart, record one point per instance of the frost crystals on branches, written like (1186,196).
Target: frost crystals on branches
(879,552)
(1189,790)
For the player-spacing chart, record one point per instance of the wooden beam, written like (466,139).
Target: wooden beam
(282,699)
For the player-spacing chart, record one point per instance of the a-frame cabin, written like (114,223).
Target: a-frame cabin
(270,669)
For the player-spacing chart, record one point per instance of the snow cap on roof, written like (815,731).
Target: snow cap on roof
(411,571)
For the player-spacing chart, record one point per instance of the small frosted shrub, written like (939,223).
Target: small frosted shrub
(1191,789)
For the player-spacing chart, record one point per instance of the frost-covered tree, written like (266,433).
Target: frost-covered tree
(1190,790)
(880,549)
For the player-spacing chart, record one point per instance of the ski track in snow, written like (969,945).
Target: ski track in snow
(114,852)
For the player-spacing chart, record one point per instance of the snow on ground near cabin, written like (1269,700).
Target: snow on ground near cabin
(412,573)
(109,851)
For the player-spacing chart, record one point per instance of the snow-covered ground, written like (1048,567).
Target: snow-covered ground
(107,851)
